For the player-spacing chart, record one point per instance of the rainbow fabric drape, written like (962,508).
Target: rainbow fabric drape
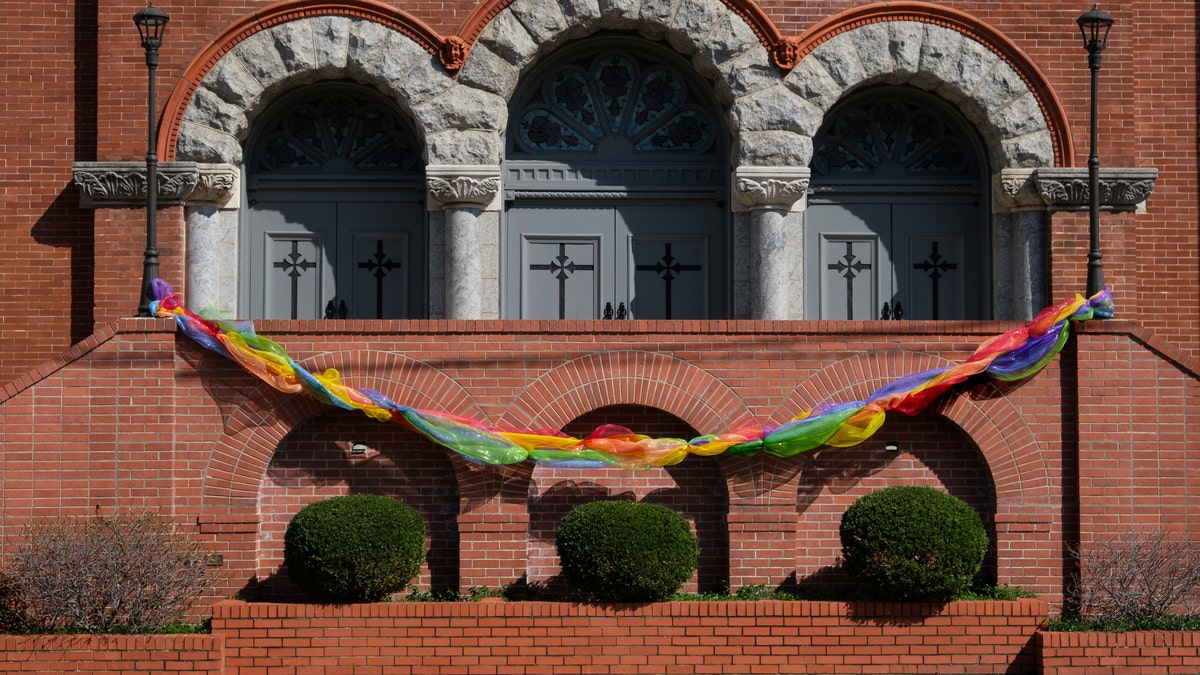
(1014,355)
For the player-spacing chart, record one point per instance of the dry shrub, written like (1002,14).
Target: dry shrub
(130,572)
(1141,575)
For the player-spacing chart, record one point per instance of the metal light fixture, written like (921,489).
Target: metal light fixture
(1094,26)
(150,22)
(891,446)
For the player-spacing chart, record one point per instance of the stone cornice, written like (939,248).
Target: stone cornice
(1067,189)
(472,186)
(119,184)
(770,187)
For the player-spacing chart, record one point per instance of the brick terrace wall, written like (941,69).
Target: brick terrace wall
(112,654)
(675,637)
(1133,653)
(140,417)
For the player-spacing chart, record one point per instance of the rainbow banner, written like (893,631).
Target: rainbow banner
(1014,355)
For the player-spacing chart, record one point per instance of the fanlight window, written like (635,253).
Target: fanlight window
(579,105)
(336,133)
(891,137)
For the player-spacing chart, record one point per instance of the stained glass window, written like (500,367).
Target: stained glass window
(863,140)
(580,104)
(337,131)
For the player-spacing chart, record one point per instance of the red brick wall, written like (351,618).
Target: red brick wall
(141,417)
(1133,653)
(688,637)
(75,83)
(192,654)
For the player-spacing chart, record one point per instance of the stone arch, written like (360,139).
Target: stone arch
(968,63)
(1014,458)
(644,378)
(211,111)
(253,430)
(772,125)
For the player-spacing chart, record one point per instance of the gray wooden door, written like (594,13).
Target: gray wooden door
(649,261)
(335,259)
(923,259)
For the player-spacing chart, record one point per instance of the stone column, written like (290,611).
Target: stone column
(464,193)
(211,217)
(770,194)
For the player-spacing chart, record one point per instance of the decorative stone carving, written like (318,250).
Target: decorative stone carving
(115,184)
(474,186)
(1121,189)
(1016,190)
(1067,189)
(770,187)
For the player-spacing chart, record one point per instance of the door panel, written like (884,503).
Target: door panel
(937,260)
(557,261)
(293,246)
(672,251)
(561,277)
(317,259)
(654,260)
(380,268)
(923,258)
(851,276)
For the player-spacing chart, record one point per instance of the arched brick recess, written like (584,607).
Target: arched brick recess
(253,431)
(1016,462)
(995,85)
(644,378)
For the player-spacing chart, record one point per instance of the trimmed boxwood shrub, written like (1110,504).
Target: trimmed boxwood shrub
(912,543)
(354,548)
(621,551)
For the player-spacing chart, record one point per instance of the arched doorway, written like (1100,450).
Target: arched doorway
(896,225)
(614,187)
(334,226)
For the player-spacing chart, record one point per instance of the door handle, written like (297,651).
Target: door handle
(336,311)
(889,311)
(621,313)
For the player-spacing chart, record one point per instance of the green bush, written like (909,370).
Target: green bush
(622,551)
(355,548)
(912,543)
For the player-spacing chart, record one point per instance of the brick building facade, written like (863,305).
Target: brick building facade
(446,201)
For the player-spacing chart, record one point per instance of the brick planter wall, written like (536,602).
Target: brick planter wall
(111,654)
(1134,653)
(672,637)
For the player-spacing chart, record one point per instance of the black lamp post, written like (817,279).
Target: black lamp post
(150,23)
(1094,25)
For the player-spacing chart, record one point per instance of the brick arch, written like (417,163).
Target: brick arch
(730,43)
(969,63)
(212,107)
(1010,448)
(253,430)
(783,50)
(645,378)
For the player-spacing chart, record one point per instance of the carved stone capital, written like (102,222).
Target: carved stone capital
(118,184)
(216,185)
(473,186)
(1121,189)
(1067,189)
(779,188)
(1016,190)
